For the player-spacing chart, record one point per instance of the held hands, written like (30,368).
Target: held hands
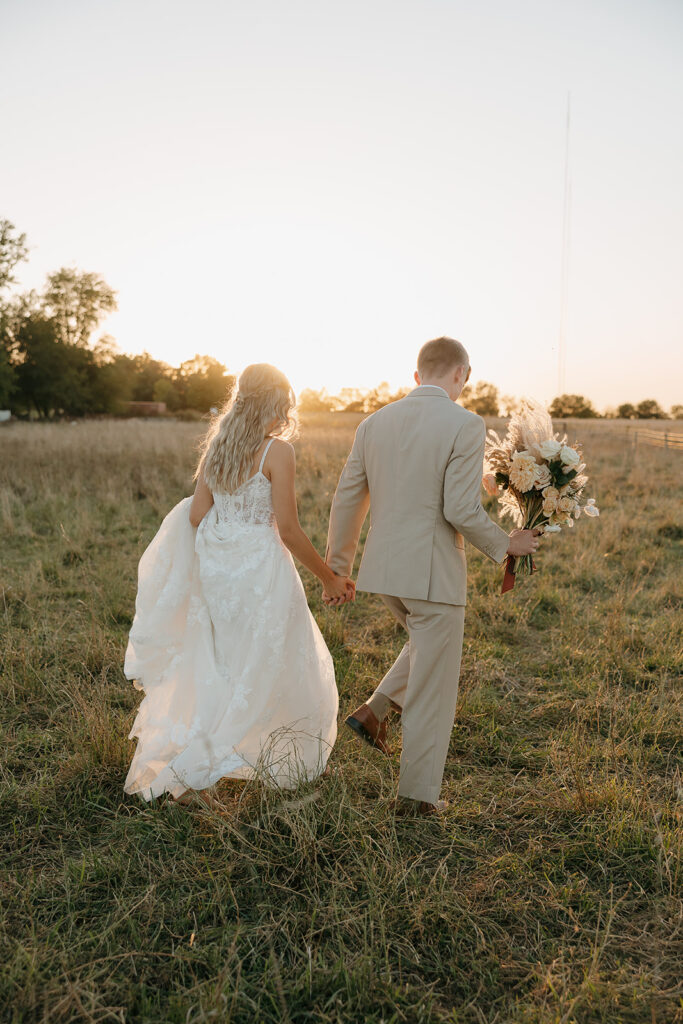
(339,590)
(523,542)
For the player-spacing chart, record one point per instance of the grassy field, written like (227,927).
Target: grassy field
(550,893)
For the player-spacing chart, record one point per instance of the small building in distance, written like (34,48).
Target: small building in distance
(145,408)
(5,415)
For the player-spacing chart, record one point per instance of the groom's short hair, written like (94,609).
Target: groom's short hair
(440,355)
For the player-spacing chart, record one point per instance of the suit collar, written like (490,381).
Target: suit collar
(427,391)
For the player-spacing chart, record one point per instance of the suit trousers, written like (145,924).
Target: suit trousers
(423,682)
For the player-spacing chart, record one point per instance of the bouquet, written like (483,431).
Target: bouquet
(542,477)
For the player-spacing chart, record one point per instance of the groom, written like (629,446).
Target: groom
(417,465)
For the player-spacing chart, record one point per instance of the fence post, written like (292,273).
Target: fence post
(666,438)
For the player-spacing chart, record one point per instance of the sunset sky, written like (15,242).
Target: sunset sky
(326,185)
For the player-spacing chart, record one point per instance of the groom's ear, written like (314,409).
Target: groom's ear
(416,377)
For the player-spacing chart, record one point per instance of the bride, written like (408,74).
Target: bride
(238,680)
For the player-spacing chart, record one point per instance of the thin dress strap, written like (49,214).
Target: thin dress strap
(265,452)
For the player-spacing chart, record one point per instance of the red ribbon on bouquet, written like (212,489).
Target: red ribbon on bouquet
(509,577)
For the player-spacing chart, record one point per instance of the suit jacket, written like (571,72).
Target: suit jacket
(417,464)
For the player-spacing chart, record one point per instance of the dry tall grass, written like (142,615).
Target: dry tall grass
(551,892)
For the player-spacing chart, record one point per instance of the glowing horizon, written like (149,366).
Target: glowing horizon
(327,188)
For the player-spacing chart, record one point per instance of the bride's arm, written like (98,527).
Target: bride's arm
(201,501)
(281,465)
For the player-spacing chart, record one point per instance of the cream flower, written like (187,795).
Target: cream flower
(550,449)
(569,457)
(551,492)
(566,504)
(522,471)
(549,506)
(542,477)
(590,508)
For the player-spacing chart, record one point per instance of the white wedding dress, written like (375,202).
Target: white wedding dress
(238,680)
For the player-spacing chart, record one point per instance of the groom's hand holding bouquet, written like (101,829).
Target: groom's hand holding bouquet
(543,479)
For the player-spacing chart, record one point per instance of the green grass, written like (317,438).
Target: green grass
(550,893)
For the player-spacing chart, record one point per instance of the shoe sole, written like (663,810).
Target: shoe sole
(361,731)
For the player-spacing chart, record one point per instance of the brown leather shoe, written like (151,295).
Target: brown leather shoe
(364,722)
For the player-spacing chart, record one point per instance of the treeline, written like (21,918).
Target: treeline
(51,366)
(578,407)
(483,398)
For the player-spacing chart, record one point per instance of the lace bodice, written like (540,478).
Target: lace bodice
(251,503)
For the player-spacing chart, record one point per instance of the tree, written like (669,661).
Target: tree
(509,405)
(142,373)
(482,398)
(315,401)
(52,377)
(627,411)
(7,351)
(166,390)
(350,400)
(650,410)
(378,397)
(572,407)
(7,378)
(110,382)
(77,302)
(204,383)
(12,251)
(676,412)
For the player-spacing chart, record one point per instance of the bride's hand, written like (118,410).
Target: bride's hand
(339,590)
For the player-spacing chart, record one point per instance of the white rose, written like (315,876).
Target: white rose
(542,477)
(551,492)
(566,504)
(569,457)
(550,449)
(522,471)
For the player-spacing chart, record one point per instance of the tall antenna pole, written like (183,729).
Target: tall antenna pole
(564,286)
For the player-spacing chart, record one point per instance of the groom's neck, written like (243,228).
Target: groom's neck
(441,382)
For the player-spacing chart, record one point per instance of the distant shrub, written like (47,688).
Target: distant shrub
(572,407)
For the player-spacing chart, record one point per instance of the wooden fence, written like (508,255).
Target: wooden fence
(658,438)
(633,436)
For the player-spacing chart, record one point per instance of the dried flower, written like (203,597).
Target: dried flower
(522,471)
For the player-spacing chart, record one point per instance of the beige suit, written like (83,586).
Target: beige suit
(417,464)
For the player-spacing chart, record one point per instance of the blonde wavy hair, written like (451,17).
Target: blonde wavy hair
(262,405)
